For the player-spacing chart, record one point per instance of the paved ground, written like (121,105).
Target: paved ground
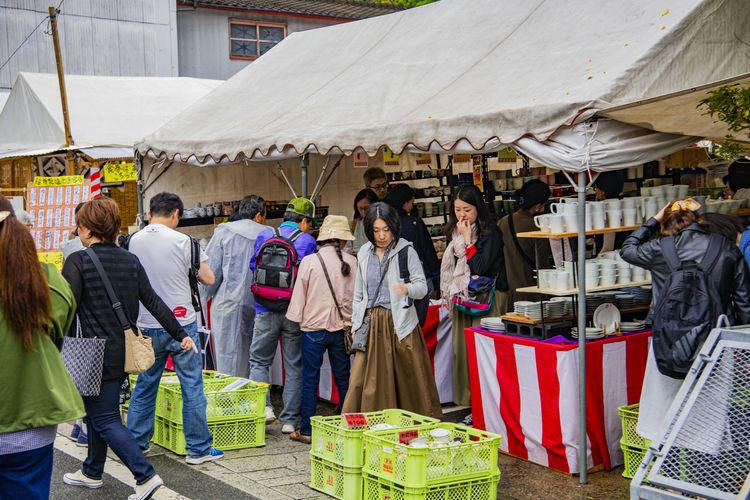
(281,471)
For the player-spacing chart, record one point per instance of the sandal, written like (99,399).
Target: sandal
(296,436)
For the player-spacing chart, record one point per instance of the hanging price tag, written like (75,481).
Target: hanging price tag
(355,419)
(405,437)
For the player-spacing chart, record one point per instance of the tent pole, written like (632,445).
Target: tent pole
(283,174)
(303,164)
(582,448)
(139,189)
(320,178)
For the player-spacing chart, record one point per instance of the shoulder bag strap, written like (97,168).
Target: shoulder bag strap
(708,261)
(670,253)
(116,305)
(380,283)
(517,244)
(330,286)
(403,264)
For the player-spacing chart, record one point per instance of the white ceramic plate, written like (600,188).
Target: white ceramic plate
(607,316)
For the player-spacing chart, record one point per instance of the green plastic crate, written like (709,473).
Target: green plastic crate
(633,458)
(630,437)
(334,441)
(207,374)
(246,402)
(228,434)
(340,482)
(473,489)
(388,459)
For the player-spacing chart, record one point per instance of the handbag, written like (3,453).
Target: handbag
(84,360)
(362,334)
(346,328)
(139,352)
(478,301)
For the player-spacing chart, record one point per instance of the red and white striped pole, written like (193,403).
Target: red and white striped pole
(96,190)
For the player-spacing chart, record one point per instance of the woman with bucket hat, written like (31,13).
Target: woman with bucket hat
(322,304)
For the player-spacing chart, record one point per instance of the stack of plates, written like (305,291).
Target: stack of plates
(567,304)
(492,324)
(591,333)
(554,309)
(625,300)
(534,310)
(632,326)
(641,295)
(594,300)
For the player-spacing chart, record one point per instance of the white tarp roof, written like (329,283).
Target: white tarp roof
(104,110)
(457,70)
(3,98)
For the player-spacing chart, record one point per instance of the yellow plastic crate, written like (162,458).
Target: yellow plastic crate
(633,458)
(630,436)
(340,482)
(228,434)
(474,489)
(338,443)
(475,456)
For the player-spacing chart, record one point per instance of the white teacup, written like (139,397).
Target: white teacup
(571,222)
(629,217)
(682,191)
(561,279)
(542,222)
(613,204)
(638,274)
(646,191)
(589,221)
(629,202)
(599,220)
(556,224)
(545,278)
(624,275)
(607,279)
(614,218)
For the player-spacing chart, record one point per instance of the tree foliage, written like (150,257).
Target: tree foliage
(406,3)
(731,105)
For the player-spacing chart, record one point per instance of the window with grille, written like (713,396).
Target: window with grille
(250,40)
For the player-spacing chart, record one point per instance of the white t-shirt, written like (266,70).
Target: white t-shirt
(165,255)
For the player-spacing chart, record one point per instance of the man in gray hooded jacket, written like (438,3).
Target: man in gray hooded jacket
(233,308)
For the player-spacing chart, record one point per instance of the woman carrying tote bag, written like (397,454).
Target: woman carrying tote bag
(98,224)
(36,392)
(394,371)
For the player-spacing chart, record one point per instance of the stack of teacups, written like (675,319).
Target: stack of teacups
(630,211)
(614,213)
(623,272)
(607,272)
(670,192)
(598,214)
(592,273)
(569,212)
(682,191)
(650,207)
(560,280)
(638,274)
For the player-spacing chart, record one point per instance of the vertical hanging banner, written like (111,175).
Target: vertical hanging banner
(96,184)
(361,160)
(389,157)
(476,166)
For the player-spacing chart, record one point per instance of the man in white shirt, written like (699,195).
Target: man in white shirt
(166,255)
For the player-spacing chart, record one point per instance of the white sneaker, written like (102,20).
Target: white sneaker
(146,490)
(270,415)
(213,454)
(78,478)
(287,428)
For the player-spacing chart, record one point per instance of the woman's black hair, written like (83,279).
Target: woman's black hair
(532,193)
(382,210)
(365,193)
(469,193)
(345,268)
(738,180)
(611,183)
(729,226)
(398,195)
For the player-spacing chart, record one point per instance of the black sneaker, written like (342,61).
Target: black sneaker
(468,421)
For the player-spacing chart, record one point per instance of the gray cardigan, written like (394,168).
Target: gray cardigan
(404,318)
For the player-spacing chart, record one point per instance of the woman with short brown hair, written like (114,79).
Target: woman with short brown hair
(98,224)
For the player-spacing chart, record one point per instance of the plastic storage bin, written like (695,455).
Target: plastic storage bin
(633,458)
(228,434)
(473,457)
(335,480)
(630,437)
(474,489)
(336,442)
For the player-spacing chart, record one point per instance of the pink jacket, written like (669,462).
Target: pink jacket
(312,305)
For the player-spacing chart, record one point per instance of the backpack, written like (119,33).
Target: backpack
(421,305)
(686,310)
(276,271)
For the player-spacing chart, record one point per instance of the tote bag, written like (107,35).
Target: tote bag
(84,360)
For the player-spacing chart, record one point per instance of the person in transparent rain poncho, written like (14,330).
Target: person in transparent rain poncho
(233,308)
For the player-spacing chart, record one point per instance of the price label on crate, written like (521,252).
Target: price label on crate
(355,419)
(405,437)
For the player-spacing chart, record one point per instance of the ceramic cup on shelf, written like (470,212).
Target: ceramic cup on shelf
(542,222)
(638,274)
(629,217)
(589,221)
(571,222)
(546,278)
(646,190)
(614,218)
(560,281)
(624,275)
(682,191)
(607,278)
(598,220)
(556,224)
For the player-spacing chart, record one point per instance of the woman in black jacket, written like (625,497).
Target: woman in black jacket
(681,221)
(475,247)
(401,197)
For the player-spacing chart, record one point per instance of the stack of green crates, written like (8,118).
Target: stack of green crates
(463,468)
(337,450)
(236,418)
(633,446)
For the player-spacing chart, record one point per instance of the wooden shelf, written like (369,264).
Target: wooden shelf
(742,212)
(430,198)
(542,235)
(554,319)
(574,291)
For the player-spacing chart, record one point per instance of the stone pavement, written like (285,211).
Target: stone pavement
(281,471)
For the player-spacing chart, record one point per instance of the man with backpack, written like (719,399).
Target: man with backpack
(166,255)
(276,258)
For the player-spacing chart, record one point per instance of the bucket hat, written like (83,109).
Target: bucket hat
(335,227)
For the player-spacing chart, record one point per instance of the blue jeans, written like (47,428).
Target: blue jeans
(106,429)
(314,346)
(189,366)
(26,474)
(269,327)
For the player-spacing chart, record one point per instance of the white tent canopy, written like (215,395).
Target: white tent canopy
(477,73)
(104,110)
